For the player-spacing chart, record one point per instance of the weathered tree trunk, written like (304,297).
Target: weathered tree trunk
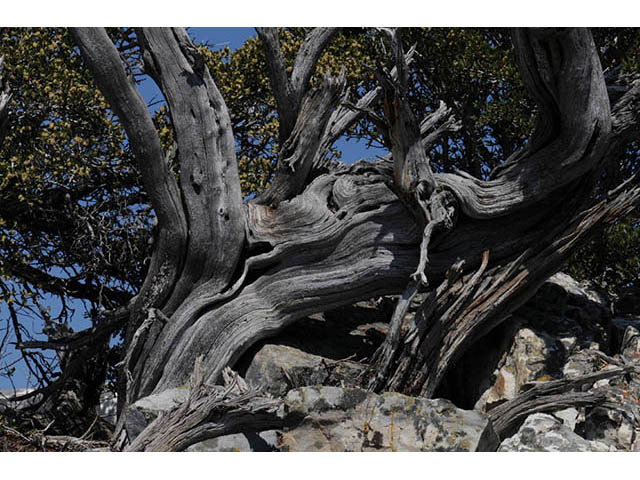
(226,274)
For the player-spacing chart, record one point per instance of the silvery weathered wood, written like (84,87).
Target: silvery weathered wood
(226,274)
(551,396)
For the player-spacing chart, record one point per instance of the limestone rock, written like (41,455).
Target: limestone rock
(279,368)
(610,427)
(544,339)
(581,363)
(336,420)
(544,433)
(147,409)
(325,418)
(569,417)
(625,336)
(266,441)
(533,356)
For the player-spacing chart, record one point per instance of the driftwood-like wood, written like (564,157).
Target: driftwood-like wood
(210,412)
(226,274)
(462,310)
(551,396)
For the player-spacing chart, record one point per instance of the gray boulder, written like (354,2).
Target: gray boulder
(336,420)
(147,409)
(544,433)
(279,368)
(266,441)
(625,336)
(325,418)
(533,356)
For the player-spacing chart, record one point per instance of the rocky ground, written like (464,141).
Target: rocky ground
(567,330)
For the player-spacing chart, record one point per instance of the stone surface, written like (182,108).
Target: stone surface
(147,409)
(336,420)
(325,418)
(544,339)
(581,363)
(617,422)
(625,336)
(608,426)
(569,417)
(279,368)
(533,356)
(544,433)
(266,441)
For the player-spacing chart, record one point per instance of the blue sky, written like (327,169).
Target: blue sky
(218,37)
(234,37)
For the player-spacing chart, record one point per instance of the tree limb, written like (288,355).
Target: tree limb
(209,181)
(561,69)
(68,286)
(551,396)
(294,100)
(286,98)
(305,64)
(113,321)
(210,412)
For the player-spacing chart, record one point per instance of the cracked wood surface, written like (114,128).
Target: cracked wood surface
(314,242)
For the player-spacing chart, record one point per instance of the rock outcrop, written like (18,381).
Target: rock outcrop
(566,330)
(545,433)
(335,419)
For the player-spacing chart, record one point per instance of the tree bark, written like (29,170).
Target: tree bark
(225,274)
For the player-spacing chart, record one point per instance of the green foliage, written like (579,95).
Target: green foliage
(71,206)
(611,259)
(242,79)
(67,181)
(71,203)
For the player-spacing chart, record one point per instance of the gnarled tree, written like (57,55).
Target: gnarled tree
(225,274)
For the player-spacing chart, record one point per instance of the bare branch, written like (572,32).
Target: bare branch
(286,99)
(428,130)
(289,92)
(308,55)
(210,412)
(68,286)
(348,114)
(209,181)
(562,70)
(626,114)
(104,61)
(300,151)
(105,64)
(551,396)
(113,321)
